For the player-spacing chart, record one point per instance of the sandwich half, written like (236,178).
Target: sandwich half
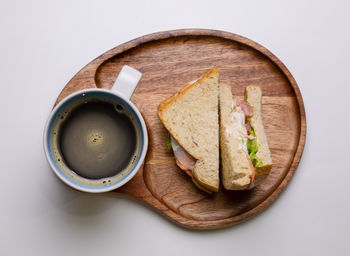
(245,155)
(191,118)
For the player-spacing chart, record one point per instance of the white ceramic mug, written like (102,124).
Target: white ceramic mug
(119,94)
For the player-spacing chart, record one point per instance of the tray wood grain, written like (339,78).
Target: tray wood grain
(170,59)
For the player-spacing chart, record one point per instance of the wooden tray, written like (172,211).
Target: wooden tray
(170,59)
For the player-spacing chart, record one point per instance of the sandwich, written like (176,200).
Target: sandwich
(191,118)
(245,154)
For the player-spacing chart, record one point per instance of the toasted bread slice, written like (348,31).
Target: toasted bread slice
(191,117)
(253,96)
(236,170)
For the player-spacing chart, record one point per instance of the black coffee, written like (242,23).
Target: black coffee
(97,140)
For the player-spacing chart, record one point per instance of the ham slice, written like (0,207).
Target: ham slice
(247,109)
(252,177)
(248,126)
(184,160)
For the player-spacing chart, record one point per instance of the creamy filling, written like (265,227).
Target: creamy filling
(237,128)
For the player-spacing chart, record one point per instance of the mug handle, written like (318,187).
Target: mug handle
(127,81)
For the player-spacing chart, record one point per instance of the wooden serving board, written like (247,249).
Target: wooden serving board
(170,59)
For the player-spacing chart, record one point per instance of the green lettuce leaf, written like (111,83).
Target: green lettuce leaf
(256,161)
(253,148)
(168,142)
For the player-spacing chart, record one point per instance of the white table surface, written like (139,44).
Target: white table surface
(44,43)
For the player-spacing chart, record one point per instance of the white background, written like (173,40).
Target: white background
(44,43)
